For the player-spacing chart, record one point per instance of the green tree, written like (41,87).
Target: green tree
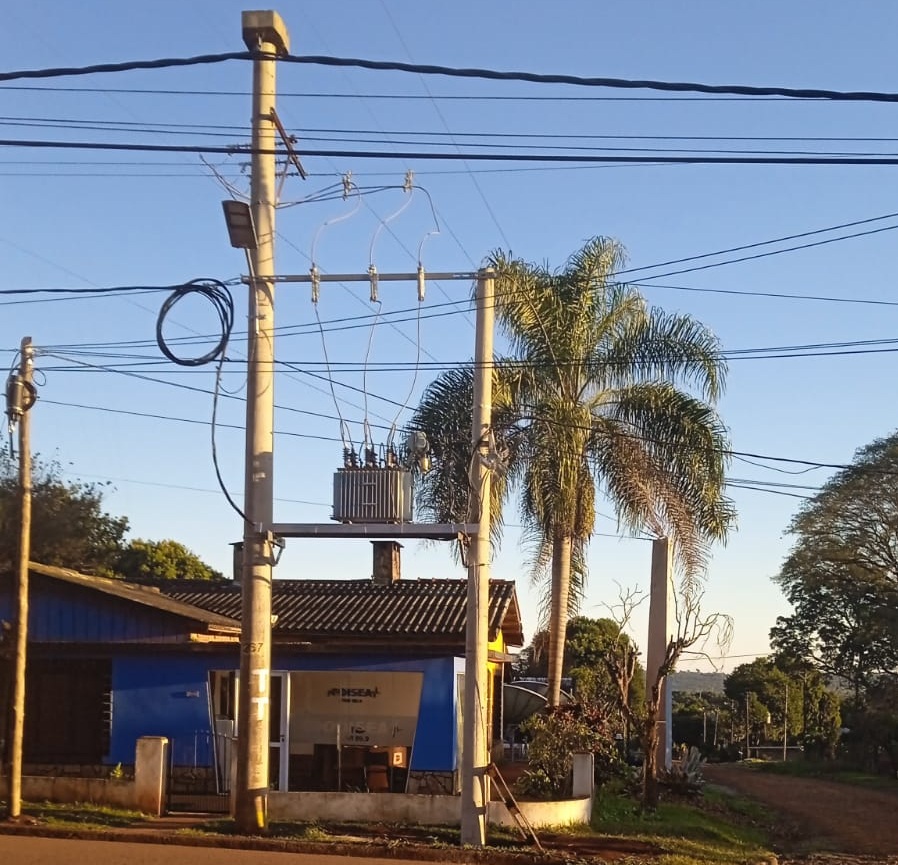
(841,575)
(69,527)
(872,738)
(599,390)
(163,560)
(788,691)
(703,720)
(767,687)
(587,646)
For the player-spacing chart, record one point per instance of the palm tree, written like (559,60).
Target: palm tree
(599,393)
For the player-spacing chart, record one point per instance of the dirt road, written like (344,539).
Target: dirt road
(859,825)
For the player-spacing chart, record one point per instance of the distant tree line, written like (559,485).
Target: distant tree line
(71,529)
(832,680)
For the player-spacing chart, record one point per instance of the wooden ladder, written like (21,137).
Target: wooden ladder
(517,815)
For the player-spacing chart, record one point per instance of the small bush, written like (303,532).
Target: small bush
(554,739)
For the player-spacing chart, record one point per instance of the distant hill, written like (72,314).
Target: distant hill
(694,682)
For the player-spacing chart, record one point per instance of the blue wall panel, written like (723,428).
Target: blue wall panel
(168,695)
(65,613)
(162,696)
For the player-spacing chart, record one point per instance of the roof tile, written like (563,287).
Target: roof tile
(363,609)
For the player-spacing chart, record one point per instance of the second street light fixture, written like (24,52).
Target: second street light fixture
(241,228)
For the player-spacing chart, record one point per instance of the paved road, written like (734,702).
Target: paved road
(18,850)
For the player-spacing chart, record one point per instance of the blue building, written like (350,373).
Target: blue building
(365,674)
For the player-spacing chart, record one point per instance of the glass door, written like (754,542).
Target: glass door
(278,737)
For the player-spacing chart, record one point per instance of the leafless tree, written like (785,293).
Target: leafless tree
(693,629)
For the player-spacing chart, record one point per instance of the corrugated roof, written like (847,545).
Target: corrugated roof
(147,595)
(363,609)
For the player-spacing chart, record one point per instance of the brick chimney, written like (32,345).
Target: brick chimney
(386,562)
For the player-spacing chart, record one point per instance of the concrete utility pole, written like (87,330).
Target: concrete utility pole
(263,32)
(474,793)
(20,398)
(658,637)
(786,724)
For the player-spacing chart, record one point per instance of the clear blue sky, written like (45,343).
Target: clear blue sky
(101,218)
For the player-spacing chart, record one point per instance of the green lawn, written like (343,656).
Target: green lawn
(712,828)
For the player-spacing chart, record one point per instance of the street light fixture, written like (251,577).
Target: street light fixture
(241,229)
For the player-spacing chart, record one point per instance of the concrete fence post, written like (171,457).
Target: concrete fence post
(584,775)
(151,774)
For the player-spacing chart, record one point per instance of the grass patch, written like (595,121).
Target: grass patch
(714,828)
(827,771)
(82,815)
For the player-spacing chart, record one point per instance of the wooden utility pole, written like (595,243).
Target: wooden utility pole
(474,781)
(19,399)
(263,32)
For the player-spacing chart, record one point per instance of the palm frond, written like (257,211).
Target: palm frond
(661,455)
(676,349)
(444,414)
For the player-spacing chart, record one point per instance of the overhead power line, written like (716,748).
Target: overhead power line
(352,322)
(127,66)
(758,485)
(118,289)
(353,133)
(142,362)
(455,72)
(585,158)
(580,81)
(470,97)
(743,247)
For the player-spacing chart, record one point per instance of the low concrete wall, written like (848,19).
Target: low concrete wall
(145,793)
(362,807)
(97,791)
(565,812)
(422,809)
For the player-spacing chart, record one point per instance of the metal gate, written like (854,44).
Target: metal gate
(198,775)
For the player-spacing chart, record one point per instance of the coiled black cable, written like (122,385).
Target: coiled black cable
(218,295)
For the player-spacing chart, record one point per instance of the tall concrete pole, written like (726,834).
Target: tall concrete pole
(264,32)
(786,724)
(658,636)
(475,723)
(20,397)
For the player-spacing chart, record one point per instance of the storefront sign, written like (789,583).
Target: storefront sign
(354,708)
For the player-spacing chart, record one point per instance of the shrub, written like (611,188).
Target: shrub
(686,776)
(555,738)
